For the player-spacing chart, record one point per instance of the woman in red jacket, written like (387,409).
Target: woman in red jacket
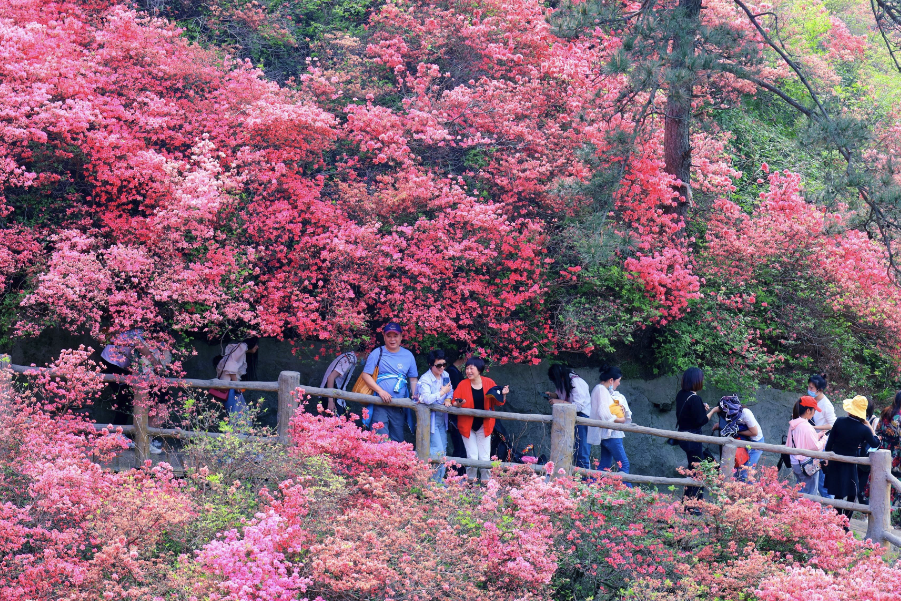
(473,393)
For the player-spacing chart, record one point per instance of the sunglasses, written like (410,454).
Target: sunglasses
(440,365)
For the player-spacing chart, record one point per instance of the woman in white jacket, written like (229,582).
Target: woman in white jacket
(610,406)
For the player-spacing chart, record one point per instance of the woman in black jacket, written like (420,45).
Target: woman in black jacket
(692,414)
(851,436)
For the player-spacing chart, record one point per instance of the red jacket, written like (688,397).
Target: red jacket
(464,391)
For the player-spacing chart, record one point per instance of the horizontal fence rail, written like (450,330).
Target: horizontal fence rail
(721,441)
(563,421)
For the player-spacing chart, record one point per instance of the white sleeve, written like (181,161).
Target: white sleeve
(603,406)
(625,405)
(751,422)
(829,413)
(581,395)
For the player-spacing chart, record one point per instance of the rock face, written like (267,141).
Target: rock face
(651,401)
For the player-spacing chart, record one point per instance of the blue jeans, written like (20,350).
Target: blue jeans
(582,450)
(438,449)
(392,420)
(235,405)
(753,458)
(822,485)
(612,450)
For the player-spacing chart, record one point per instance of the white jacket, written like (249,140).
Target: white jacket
(601,399)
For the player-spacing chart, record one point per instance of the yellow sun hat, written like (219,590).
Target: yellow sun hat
(857,406)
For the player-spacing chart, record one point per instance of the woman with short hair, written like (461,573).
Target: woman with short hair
(692,414)
(434,388)
(477,392)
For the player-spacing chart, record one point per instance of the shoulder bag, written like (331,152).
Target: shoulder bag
(811,465)
(360,386)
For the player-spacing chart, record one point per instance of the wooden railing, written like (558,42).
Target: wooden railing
(563,420)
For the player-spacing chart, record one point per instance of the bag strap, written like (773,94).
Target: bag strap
(378,363)
(679,413)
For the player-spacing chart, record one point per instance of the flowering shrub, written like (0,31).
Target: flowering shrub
(346,515)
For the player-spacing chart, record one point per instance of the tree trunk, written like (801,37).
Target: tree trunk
(677,121)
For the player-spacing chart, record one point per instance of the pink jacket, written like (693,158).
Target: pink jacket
(801,435)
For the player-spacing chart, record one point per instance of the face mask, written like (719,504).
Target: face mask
(812,393)
(610,388)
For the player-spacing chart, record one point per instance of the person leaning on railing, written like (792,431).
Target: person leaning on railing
(474,393)
(396,378)
(434,388)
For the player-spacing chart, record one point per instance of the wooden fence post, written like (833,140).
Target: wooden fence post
(563,436)
(288,382)
(423,431)
(141,419)
(727,461)
(5,381)
(880,495)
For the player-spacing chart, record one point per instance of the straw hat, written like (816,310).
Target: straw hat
(856,406)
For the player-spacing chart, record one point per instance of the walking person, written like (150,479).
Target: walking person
(692,414)
(434,387)
(396,378)
(851,436)
(822,419)
(478,392)
(338,375)
(739,422)
(607,408)
(233,365)
(889,431)
(121,359)
(802,435)
(572,389)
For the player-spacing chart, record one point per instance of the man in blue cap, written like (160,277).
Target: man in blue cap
(396,377)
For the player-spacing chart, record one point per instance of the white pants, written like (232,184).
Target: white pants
(478,446)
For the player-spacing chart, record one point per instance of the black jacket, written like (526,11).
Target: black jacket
(849,437)
(690,412)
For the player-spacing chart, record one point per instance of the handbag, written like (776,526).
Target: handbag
(784,459)
(741,457)
(811,466)
(219,393)
(360,386)
(617,410)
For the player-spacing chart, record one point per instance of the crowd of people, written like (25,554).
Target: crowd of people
(813,426)
(454,380)
(390,372)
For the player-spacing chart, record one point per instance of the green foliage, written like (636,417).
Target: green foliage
(275,35)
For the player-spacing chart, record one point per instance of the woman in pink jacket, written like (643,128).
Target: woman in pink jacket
(802,435)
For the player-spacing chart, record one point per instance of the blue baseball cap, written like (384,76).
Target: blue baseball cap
(392,326)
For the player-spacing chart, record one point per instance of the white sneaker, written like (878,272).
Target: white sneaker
(156,446)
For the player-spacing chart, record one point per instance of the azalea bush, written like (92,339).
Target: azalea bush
(344,514)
